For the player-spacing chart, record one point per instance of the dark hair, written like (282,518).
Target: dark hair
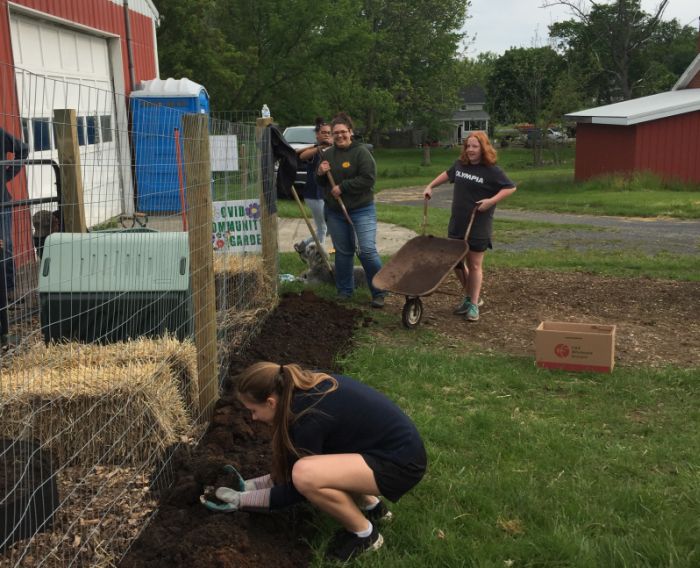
(488,153)
(342,118)
(263,379)
(319,122)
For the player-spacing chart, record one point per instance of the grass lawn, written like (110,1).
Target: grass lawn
(551,187)
(537,468)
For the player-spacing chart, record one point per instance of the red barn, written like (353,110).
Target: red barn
(659,133)
(80,54)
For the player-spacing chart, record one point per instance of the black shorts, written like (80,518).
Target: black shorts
(475,244)
(395,480)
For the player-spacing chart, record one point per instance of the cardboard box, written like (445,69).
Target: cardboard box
(575,346)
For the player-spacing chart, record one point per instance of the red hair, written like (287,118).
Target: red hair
(488,152)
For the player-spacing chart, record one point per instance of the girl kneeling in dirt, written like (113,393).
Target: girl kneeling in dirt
(336,442)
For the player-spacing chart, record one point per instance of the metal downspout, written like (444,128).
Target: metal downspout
(129,48)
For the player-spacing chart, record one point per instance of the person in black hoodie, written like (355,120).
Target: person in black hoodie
(353,171)
(336,443)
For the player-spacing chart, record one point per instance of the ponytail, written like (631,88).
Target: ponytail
(261,380)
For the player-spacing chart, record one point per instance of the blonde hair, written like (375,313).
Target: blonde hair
(261,380)
(488,152)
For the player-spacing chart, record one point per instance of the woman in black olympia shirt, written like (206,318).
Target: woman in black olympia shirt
(478,183)
(335,442)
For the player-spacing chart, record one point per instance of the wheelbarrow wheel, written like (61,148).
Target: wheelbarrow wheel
(412,312)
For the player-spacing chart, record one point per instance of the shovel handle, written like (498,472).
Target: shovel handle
(471,222)
(345,212)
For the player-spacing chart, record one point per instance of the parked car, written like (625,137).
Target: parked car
(556,135)
(299,137)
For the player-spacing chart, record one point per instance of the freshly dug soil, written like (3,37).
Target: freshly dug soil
(304,329)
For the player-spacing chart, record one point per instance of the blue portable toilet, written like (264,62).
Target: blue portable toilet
(157,110)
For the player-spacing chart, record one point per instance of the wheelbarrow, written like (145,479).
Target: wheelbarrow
(419,267)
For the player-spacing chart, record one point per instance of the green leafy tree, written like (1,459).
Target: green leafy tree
(190,45)
(612,44)
(522,83)
(386,62)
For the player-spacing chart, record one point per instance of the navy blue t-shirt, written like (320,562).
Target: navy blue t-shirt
(354,419)
(473,183)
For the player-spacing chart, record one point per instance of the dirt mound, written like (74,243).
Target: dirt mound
(304,329)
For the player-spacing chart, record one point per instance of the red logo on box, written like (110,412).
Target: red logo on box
(562,350)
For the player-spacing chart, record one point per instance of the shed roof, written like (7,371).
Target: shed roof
(643,109)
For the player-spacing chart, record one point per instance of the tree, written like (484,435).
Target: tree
(386,62)
(190,45)
(610,41)
(522,83)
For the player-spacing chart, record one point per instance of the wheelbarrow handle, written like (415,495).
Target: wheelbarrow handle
(471,222)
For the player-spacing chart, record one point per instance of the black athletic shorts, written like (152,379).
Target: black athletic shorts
(394,480)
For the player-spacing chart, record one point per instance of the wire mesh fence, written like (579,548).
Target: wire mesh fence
(132,263)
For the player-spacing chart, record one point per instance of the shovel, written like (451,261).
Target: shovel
(347,215)
(319,247)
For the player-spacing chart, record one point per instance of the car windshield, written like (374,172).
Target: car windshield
(300,135)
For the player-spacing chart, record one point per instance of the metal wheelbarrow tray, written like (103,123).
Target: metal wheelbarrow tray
(418,269)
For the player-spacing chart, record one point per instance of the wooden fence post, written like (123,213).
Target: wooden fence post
(199,219)
(268,220)
(72,202)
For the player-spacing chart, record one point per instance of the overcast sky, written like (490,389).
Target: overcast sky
(501,24)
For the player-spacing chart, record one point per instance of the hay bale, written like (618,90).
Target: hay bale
(179,357)
(241,283)
(90,415)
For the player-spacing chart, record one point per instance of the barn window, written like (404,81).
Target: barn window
(81,131)
(93,130)
(106,124)
(25,129)
(42,136)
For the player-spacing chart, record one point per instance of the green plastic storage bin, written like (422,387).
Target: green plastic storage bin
(112,286)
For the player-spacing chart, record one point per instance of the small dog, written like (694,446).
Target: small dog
(317,271)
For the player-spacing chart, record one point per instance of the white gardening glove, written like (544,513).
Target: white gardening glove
(230,498)
(228,495)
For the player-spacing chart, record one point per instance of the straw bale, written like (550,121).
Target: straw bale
(241,282)
(237,328)
(87,414)
(180,357)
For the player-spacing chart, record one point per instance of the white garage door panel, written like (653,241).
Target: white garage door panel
(59,67)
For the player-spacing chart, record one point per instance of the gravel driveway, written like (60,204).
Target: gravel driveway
(646,235)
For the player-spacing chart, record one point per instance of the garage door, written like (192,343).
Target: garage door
(61,67)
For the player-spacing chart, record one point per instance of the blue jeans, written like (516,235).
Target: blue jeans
(317,210)
(7,266)
(365,221)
